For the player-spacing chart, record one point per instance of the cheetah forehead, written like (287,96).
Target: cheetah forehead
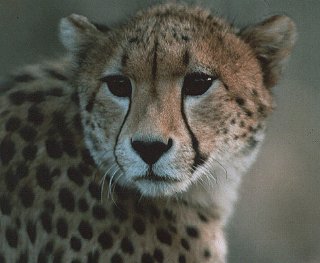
(169,36)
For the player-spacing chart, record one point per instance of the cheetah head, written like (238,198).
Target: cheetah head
(175,95)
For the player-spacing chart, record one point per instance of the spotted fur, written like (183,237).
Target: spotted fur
(80,181)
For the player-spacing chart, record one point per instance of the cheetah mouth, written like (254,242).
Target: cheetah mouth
(151,176)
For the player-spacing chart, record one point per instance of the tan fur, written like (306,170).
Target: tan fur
(59,205)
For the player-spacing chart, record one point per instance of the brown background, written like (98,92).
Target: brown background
(277,219)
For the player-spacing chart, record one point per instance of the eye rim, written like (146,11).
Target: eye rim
(193,79)
(114,81)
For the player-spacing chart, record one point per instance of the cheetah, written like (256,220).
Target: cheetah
(131,147)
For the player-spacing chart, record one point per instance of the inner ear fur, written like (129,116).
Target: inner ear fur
(77,31)
(272,41)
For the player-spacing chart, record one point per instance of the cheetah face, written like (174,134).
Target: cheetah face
(172,95)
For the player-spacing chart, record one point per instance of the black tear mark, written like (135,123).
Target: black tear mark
(118,135)
(198,158)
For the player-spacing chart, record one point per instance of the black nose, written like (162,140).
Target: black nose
(150,152)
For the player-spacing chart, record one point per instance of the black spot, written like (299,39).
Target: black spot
(185,38)
(203,218)
(34,115)
(32,231)
(164,236)
(23,258)
(93,257)
(233,121)
(206,253)
(12,179)
(86,156)
(44,179)
(77,122)
(182,259)
(26,196)
(254,92)
(116,258)
(94,190)
(18,97)
(54,148)
(46,222)
(56,92)
(12,124)
(12,237)
(154,211)
(58,120)
(146,258)
(185,244)
(126,246)
(133,40)
(75,176)
(105,240)
(120,213)
(48,205)
(75,243)
(85,229)
(45,252)
(22,170)
(83,205)
(158,255)
(139,226)
(192,231)
(57,256)
(99,212)
(5,205)
(262,109)
(36,97)
(29,152)
(252,143)
(55,74)
(115,229)
(248,112)
(7,150)
(28,133)
(240,101)
(172,228)
(18,222)
(242,124)
(69,147)
(24,78)
(86,171)
(66,199)
(62,227)
(168,214)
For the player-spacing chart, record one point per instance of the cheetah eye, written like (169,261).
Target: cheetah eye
(118,85)
(197,83)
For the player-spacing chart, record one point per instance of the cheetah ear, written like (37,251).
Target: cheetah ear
(272,41)
(76,31)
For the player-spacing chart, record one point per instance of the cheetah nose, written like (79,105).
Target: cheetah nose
(151,151)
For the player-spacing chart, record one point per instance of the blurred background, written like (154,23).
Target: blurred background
(277,218)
